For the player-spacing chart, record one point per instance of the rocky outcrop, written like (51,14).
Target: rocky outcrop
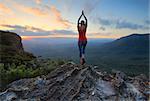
(72,82)
(11,41)
(11,48)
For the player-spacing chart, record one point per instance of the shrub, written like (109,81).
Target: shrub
(15,72)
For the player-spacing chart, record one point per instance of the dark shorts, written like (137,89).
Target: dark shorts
(82,45)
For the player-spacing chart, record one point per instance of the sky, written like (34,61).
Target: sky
(58,18)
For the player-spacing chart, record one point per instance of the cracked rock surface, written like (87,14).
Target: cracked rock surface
(72,82)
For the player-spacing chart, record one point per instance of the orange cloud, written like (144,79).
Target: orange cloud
(5,9)
(36,11)
(57,13)
(38,1)
(41,16)
(32,10)
(33,29)
(50,14)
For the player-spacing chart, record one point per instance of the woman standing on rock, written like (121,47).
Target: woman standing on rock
(82,40)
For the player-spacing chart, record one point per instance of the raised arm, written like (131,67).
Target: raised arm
(86,22)
(79,20)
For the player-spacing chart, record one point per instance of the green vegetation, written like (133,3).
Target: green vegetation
(11,49)
(28,70)
(15,63)
(129,54)
(129,69)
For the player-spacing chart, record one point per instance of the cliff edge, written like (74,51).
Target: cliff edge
(11,48)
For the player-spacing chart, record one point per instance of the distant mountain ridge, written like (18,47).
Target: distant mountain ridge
(49,80)
(129,53)
(132,43)
(135,35)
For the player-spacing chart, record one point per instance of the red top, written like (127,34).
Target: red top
(82,35)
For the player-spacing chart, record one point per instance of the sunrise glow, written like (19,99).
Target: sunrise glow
(58,18)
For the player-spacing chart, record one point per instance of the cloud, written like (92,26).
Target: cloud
(147,22)
(26,30)
(23,28)
(106,22)
(33,31)
(129,25)
(31,10)
(5,9)
(120,24)
(63,32)
(38,1)
(42,14)
(100,34)
(102,28)
(90,5)
(30,32)
(35,11)
(47,12)
(59,18)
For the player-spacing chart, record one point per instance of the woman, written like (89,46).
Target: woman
(82,40)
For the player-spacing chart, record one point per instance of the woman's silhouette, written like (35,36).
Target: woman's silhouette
(82,41)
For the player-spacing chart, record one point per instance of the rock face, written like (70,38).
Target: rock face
(11,41)
(11,48)
(72,82)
